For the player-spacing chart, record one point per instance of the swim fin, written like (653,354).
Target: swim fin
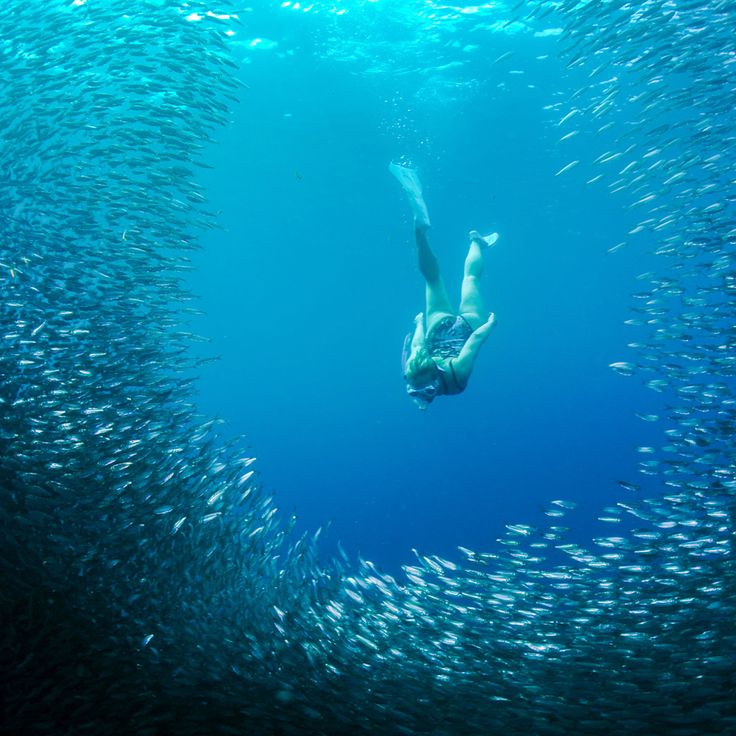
(411,185)
(487,240)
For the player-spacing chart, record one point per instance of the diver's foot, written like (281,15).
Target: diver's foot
(482,240)
(421,216)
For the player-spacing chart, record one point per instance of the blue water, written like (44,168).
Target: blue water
(148,587)
(311,287)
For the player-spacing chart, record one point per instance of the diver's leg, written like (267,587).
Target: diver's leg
(438,303)
(471,301)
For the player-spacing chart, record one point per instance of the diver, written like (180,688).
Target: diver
(439,355)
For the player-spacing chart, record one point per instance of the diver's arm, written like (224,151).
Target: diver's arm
(463,364)
(418,339)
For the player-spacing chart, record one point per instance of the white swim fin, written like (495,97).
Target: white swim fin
(411,185)
(487,240)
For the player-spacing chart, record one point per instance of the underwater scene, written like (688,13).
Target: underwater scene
(368,367)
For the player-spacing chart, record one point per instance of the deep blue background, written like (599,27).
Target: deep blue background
(312,287)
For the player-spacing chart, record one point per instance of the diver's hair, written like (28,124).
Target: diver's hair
(419,362)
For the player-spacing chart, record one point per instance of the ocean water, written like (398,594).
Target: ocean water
(222,513)
(311,288)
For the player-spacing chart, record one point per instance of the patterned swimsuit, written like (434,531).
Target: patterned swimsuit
(444,341)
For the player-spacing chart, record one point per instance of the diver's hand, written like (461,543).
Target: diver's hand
(463,364)
(418,318)
(483,331)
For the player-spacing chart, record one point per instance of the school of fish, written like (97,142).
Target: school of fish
(148,584)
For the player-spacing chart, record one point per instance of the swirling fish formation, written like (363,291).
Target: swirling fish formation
(149,586)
